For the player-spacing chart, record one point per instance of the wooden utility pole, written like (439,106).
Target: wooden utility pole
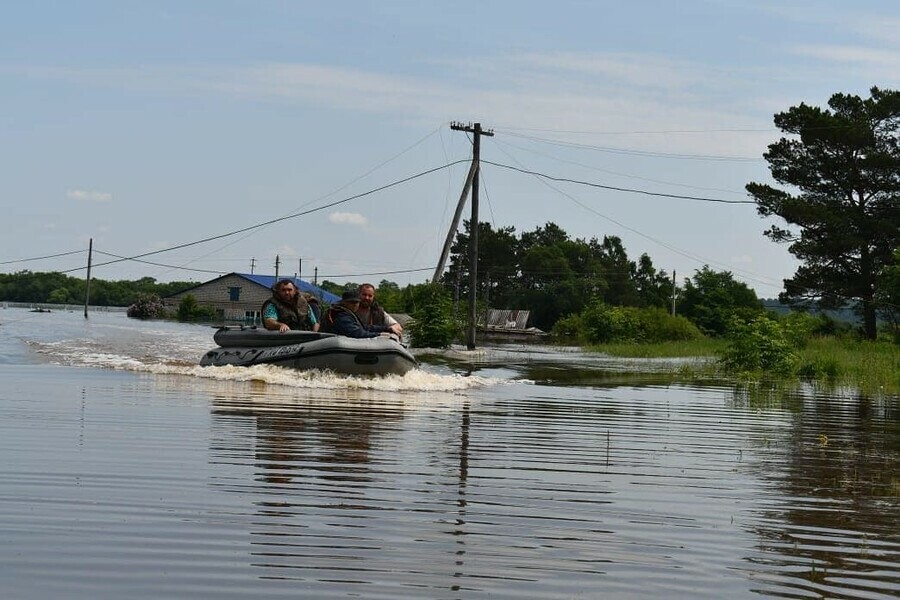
(316,276)
(277,262)
(673,292)
(451,233)
(300,268)
(473,223)
(252,265)
(87,288)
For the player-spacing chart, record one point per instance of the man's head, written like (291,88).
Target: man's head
(366,294)
(350,299)
(285,289)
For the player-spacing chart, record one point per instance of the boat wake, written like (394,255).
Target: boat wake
(166,359)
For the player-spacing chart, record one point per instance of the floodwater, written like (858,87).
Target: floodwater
(509,472)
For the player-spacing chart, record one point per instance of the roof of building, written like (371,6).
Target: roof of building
(268,281)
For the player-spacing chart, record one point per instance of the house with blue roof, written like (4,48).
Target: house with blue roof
(238,297)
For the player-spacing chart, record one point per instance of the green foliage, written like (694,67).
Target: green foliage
(58,296)
(189,310)
(433,325)
(711,299)
(844,162)
(569,327)
(601,323)
(888,296)
(57,288)
(760,345)
(819,368)
(550,274)
(147,306)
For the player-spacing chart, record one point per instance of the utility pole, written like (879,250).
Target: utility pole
(300,268)
(252,265)
(673,292)
(87,288)
(473,222)
(451,233)
(277,262)
(316,276)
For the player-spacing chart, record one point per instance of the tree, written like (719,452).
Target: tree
(618,271)
(845,163)
(711,299)
(497,263)
(653,288)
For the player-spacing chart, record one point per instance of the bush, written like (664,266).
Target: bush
(602,324)
(432,325)
(147,306)
(569,326)
(759,345)
(189,310)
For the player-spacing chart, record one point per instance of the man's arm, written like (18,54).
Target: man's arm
(270,320)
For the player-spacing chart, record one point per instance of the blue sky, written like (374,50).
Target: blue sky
(149,125)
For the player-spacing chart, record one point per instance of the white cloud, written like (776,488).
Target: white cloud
(346,218)
(88,195)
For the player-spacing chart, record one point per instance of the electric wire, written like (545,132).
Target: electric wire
(615,173)
(277,220)
(21,260)
(616,188)
(698,259)
(643,153)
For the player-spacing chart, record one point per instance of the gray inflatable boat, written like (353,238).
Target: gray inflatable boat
(247,346)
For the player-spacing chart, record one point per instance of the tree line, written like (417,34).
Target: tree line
(57,288)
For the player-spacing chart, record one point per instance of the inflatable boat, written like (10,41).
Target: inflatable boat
(247,346)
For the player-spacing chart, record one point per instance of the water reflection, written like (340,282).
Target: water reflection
(832,520)
(326,485)
(538,491)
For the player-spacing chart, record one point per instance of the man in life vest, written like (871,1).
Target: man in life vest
(287,310)
(342,320)
(370,312)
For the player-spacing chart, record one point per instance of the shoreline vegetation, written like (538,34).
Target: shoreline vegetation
(871,367)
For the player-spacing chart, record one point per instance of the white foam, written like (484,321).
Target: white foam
(417,379)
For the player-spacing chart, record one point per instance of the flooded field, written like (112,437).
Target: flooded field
(507,472)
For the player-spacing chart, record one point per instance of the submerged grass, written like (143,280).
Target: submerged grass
(872,367)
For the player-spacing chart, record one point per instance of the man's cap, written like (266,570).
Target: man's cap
(350,295)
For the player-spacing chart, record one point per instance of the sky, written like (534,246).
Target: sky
(203,138)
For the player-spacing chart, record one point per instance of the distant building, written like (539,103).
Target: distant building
(239,296)
(507,323)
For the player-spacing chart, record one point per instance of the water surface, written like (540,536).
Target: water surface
(512,472)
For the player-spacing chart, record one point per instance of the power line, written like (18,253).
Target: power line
(630,152)
(21,260)
(278,220)
(617,189)
(633,230)
(635,131)
(156,264)
(615,173)
(345,275)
